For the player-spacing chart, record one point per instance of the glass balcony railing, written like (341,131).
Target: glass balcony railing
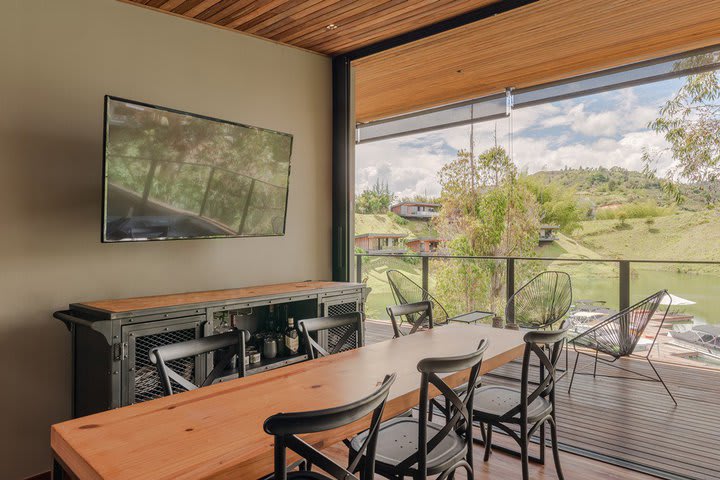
(688,335)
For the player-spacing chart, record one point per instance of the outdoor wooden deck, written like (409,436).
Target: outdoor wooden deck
(632,421)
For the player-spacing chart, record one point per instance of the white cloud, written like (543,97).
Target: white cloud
(609,129)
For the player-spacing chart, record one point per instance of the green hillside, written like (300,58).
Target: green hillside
(610,187)
(391,223)
(683,236)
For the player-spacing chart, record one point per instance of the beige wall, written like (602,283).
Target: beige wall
(57,61)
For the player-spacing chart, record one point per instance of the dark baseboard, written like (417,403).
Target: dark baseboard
(41,476)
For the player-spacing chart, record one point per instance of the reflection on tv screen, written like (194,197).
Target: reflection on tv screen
(173,175)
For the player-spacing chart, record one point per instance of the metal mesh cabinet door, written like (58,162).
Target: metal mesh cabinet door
(337,306)
(140,378)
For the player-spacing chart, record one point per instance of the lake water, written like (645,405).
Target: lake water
(702,289)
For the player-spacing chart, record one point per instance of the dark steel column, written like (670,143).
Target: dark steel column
(341,188)
(624,284)
(510,289)
(425,276)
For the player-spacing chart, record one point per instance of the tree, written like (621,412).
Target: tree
(374,200)
(558,205)
(690,123)
(486,211)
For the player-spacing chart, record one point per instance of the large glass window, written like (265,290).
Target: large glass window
(574,177)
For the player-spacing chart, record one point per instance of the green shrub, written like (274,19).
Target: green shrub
(647,209)
(397,218)
(410,258)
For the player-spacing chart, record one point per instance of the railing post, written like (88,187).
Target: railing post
(358,268)
(510,289)
(425,275)
(624,284)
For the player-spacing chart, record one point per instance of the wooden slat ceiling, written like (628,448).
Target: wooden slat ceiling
(535,44)
(304,23)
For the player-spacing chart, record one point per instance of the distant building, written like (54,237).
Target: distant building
(424,244)
(420,210)
(381,242)
(547,233)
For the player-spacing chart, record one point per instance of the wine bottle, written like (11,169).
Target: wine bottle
(292,338)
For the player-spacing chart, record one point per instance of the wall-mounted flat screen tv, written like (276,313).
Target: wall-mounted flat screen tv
(175,175)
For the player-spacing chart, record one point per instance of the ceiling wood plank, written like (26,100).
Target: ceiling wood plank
(529,46)
(533,44)
(303,23)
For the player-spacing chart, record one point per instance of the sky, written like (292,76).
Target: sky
(607,129)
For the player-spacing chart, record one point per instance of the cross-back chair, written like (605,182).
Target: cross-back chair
(405,291)
(529,407)
(617,337)
(287,426)
(542,301)
(230,346)
(419,315)
(418,448)
(343,332)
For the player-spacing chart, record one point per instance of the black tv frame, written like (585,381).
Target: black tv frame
(103,212)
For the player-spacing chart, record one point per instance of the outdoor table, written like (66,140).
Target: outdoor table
(471,317)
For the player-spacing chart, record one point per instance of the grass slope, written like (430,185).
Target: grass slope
(683,236)
(391,223)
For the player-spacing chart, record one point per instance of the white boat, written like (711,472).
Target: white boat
(702,338)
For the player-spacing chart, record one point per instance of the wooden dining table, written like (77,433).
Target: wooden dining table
(216,432)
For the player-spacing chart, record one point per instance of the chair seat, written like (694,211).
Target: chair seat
(495,401)
(397,440)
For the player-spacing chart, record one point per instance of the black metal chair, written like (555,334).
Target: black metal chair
(405,291)
(418,448)
(528,410)
(541,302)
(287,426)
(419,315)
(343,332)
(617,337)
(230,346)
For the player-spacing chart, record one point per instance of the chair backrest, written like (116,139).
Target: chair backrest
(546,346)
(461,405)
(233,344)
(406,291)
(618,335)
(542,301)
(286,426)
(419,314)
(344,332)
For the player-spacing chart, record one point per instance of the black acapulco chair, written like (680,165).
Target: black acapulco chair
(541,302)
(617,337)
(529,407)
(287,426)
(342,332)
(230,345)
(418,448)
(405,291)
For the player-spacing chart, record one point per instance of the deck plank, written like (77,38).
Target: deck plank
(633,421)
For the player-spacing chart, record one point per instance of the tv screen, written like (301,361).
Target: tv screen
(176,175)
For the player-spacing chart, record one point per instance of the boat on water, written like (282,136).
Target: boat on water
(703,338)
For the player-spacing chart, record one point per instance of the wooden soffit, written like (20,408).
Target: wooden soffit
(329,27)
(532,45)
